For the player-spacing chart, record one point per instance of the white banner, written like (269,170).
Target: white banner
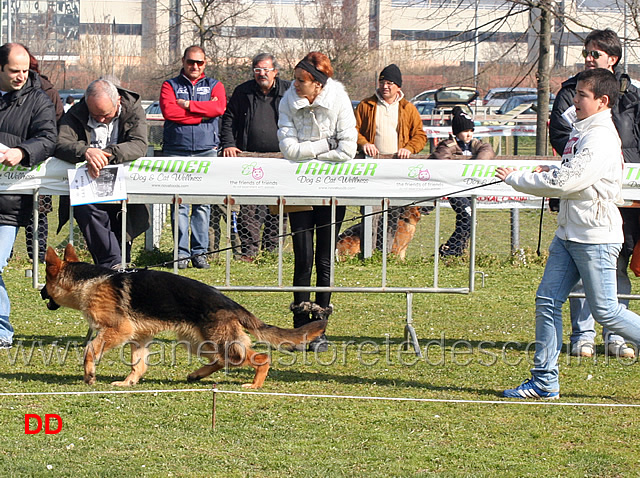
(411,179)
(484,131)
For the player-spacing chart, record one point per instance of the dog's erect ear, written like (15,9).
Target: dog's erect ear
(53,262)
(70,254)
(51,257)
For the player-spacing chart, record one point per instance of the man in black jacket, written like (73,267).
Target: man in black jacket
(250,123)
(27,137)
(108,126)
(602,49)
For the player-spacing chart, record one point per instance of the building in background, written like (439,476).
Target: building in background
(117,37)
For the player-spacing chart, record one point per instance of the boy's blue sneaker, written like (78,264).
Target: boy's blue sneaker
(528,389)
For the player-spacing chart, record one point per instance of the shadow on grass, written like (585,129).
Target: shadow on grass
(238,376)
(235,379)
(442,341)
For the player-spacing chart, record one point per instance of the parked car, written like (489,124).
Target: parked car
(74,93)
(153,109)
(495,97)
(425,107)
(516,101)
(426,95)
(448,97)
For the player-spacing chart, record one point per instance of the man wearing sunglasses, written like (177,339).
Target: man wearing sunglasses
(191,104)
(602,49)
(251,124)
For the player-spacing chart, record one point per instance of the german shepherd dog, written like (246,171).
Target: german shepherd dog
(348,244)
(406,230)
(132,307)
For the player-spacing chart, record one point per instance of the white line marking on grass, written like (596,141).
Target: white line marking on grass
(350,397)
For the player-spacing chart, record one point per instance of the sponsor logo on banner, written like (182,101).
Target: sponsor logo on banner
(257,174)
(253,170)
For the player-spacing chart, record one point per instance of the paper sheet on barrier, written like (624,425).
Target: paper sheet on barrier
(108,186)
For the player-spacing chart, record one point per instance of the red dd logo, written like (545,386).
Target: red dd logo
(47,424)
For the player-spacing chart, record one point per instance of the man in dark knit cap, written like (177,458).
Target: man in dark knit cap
(386,122)
(389,124)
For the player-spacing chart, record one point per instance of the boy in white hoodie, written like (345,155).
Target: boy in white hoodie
(589,234)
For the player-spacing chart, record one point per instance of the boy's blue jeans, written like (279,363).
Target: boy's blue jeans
(7,238)
(567,263)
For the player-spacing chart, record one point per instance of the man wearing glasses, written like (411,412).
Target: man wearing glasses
(251,124)
(602,49)
(108,126)
(191,104)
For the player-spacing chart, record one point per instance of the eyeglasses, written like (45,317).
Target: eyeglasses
(593,53)
(189,61)
(257,71)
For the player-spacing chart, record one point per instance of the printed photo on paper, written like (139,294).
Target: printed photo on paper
(108,186)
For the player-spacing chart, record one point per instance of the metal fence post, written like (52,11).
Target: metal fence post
(366,238)
(515,229)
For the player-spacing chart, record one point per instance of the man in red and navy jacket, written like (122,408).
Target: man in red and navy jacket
(191,104)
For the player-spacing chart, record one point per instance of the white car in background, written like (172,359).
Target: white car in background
(495,97)
(427,95)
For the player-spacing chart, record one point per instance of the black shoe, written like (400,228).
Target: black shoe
(5,344)
(183,264)
(200,262)
(319,344)
(446,251)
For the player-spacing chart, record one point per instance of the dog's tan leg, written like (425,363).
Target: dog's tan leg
(402,254)
(206,370)
(260,362)
(93,353)
(139,354)
(104,341)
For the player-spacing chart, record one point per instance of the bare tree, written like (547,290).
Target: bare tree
(337,29)
(214,25)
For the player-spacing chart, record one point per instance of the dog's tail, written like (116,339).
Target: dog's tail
(278,336)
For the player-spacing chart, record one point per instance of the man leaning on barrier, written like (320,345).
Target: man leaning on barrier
(389,124)
(107,126)
(250,123)
(27,137)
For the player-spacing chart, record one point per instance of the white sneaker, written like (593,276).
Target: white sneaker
(620,349)
(583,348)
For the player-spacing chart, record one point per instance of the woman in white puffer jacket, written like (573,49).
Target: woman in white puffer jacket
(316,121)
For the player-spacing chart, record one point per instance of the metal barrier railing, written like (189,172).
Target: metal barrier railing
(383,287)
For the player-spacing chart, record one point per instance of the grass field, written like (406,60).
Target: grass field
(474,346)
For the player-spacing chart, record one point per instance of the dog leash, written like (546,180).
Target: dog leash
(540,228)
(351,219)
